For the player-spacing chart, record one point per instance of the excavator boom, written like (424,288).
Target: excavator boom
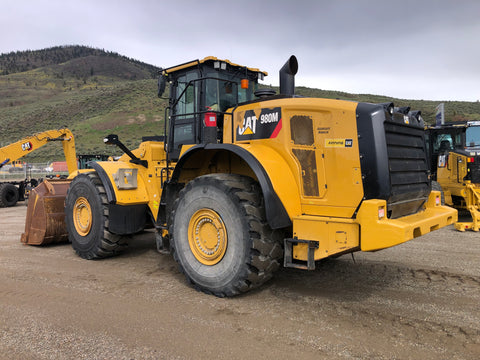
(25,146)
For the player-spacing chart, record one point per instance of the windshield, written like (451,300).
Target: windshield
(223,90)
(220,95)
(473,136)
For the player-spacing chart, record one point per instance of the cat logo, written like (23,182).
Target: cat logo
(27,146)
(249,126)
(259,124)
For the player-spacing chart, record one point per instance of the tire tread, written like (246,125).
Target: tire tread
(109,244)
(265,243)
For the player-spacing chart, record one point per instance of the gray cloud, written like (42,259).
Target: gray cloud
(410,49)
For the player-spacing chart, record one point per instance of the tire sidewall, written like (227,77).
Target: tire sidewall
(9,194)
(205,195)
(82,186)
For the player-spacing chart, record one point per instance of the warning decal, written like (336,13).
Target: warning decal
(338,143)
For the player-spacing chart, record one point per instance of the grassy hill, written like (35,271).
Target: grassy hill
(95,93)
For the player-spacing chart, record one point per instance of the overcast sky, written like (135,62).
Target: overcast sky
(411,49)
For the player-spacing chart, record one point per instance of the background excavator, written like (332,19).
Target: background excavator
(245,180)
(13,191)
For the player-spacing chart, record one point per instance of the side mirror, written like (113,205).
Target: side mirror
(162,82)
(111,139)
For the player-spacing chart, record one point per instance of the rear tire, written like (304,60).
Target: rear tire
(8,195)
(219,235)
(86,215)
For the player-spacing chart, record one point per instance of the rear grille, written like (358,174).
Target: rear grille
(407,162)
(393,159)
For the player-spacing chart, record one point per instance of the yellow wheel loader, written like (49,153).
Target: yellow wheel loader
(245,180)
(13,191)
(454,150)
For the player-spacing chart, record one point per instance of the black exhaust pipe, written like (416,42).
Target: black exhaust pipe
(287,76)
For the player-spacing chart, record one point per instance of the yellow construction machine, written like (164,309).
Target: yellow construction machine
(13,191)
(244,180)
(454,150)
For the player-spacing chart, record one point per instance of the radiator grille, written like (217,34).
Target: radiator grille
(408,167)
(393,158)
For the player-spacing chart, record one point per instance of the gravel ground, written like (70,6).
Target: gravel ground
(419,300)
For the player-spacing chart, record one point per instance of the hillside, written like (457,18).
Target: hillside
(454,110)
(95,93)
(21,61)
(90,91)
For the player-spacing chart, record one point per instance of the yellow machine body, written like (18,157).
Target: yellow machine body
(451,176)
(135,185)
(316,175)
(304,168)
(244,176)
(456,167)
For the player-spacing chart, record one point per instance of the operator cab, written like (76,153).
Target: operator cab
(460,137)
(201,92)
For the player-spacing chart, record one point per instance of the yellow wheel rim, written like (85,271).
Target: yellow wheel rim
(82,216)
(207,236)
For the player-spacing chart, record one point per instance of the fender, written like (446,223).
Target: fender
(276,213)
(124,218)
(123,193)
(107,184)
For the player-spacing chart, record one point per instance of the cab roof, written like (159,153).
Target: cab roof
(456,124)
(207,59)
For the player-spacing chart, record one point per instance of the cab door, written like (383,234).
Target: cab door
(184,114)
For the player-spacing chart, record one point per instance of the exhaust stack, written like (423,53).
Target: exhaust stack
(287,76)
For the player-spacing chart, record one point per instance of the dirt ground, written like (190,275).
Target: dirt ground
(419,300)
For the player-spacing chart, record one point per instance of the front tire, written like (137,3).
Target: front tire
(86,215)
(220,237)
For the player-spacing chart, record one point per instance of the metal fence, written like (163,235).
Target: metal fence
(28,171)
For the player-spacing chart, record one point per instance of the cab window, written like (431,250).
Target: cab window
(186,94)
(226,91)
(473,136)
(220,94)
(443,142)
(184,112)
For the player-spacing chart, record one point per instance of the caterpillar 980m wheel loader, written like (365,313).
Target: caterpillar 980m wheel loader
(454,150)
(245,180)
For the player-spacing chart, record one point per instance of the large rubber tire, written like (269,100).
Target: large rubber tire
(219,235)
(86,215)
(8,195)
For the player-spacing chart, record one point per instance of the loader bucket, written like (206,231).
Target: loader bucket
(45,222)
